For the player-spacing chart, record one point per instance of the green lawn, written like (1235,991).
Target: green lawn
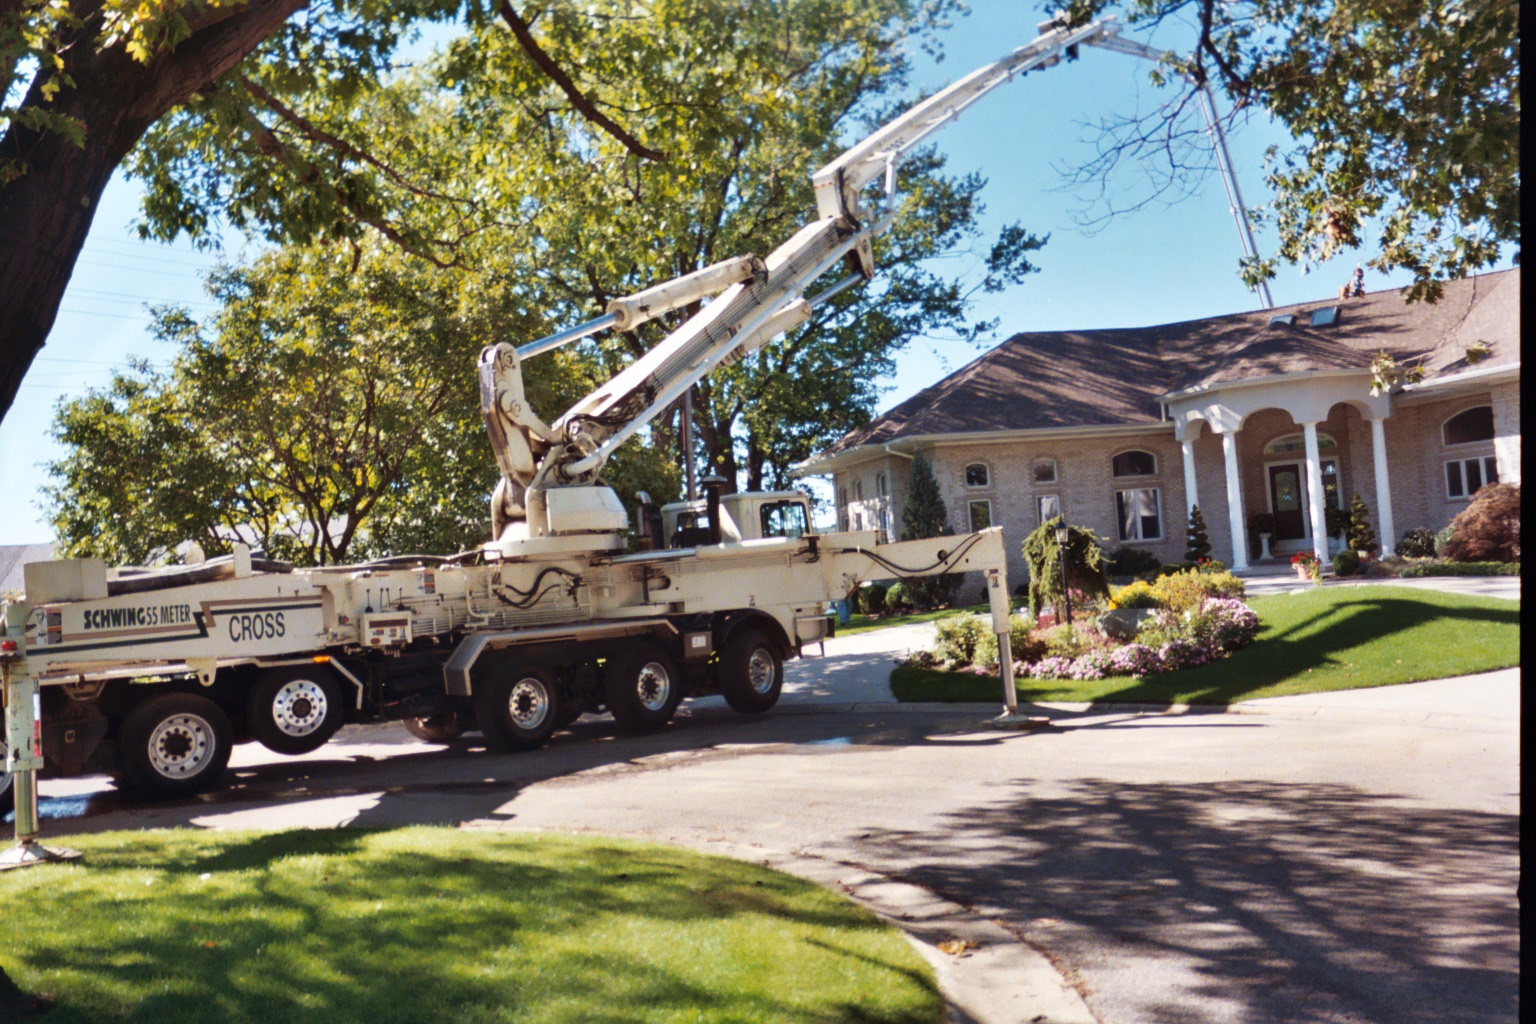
(861,623)
(1324,639)
(439,925)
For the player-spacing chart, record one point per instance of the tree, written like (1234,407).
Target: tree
(1085,565)
(81,82)
(1197,544)
(550,238)
(924,516)
(1406,120)
(1362,539)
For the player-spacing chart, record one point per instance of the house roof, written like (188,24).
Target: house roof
(1041,380)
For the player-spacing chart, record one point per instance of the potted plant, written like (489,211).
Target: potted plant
(1307,566)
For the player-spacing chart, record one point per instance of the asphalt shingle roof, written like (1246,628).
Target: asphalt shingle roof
(1044,379)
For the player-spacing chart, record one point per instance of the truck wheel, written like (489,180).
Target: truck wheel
(173,746)
(751,672)
(295,710)
(642,687)
(518,707)
(439,728)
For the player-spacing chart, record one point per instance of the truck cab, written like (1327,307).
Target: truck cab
(747,515)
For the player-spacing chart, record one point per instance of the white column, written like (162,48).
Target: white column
(1235,503)
(1315,493)
(1384,526)
(1191,488)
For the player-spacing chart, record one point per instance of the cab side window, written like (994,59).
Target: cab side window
(784,519)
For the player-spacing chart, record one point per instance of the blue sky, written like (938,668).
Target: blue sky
(1158,265)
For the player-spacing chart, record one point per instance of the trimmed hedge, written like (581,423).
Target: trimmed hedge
(1443,568)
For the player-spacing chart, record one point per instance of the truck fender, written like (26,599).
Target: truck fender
(733,622)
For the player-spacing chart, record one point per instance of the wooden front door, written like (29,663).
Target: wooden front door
(1285,501)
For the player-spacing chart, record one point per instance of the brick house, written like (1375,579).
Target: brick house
(1124,430)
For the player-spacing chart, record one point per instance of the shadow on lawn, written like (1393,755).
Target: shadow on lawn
(307,939)
(1316,641)
(1244,900)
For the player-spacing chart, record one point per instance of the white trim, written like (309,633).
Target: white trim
(1253,382)
(1055,479)
(1463,376)
(965,473)
(1482,469)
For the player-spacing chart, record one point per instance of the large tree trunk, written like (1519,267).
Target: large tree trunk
(46,214)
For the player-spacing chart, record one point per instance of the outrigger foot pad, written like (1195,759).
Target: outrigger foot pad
(26,854)
(1015,720)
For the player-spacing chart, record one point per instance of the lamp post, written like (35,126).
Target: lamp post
(1062,536)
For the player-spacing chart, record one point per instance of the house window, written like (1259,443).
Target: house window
(977,475)
(858,490)
(1292,443)
(880,485)
(1469,427)
(981,515)
(1464,476)
(1047,506)
(1330,473)
(1135,463)
(1045,471)
(1140,512)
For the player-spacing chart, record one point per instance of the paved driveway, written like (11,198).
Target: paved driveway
(1333,858)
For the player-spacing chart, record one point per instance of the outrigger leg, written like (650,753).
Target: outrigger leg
(24,756)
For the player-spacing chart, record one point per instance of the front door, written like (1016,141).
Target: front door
(1285,501)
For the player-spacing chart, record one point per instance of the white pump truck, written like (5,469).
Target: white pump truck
(155,673)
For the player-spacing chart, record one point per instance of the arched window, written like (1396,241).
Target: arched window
(1292,443)
(858,490)
(1469,426)
(1045,471)
(880,485)
(1135,463)
(978,475)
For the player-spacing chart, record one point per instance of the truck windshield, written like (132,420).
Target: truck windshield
(784,519)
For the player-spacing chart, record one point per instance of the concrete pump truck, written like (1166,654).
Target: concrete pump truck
(569,608)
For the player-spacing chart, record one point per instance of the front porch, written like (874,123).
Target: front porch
(1293,450)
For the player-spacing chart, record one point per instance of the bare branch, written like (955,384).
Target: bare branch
(559,77)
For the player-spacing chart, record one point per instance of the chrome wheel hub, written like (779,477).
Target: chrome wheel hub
(760,671)
(654,686)
(528,703)
(181,746)
(300,707)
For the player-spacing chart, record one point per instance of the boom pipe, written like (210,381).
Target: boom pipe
(839,182)
(567,336)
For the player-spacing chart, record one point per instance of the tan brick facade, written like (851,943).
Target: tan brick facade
(1086,485)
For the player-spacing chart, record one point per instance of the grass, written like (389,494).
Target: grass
(1325,639)
(858,622)
(440,925)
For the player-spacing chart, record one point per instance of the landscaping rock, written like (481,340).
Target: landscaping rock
(1123,623)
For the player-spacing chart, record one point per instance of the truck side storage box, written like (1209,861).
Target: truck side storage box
(69,579)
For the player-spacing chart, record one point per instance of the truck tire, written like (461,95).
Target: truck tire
(642,687)
(296,709)
(751,672)
(173,746)
(518,708)
(438,728)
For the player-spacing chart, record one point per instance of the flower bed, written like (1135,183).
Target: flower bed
(1199,618)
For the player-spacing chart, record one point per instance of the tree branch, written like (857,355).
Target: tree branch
(559,77)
